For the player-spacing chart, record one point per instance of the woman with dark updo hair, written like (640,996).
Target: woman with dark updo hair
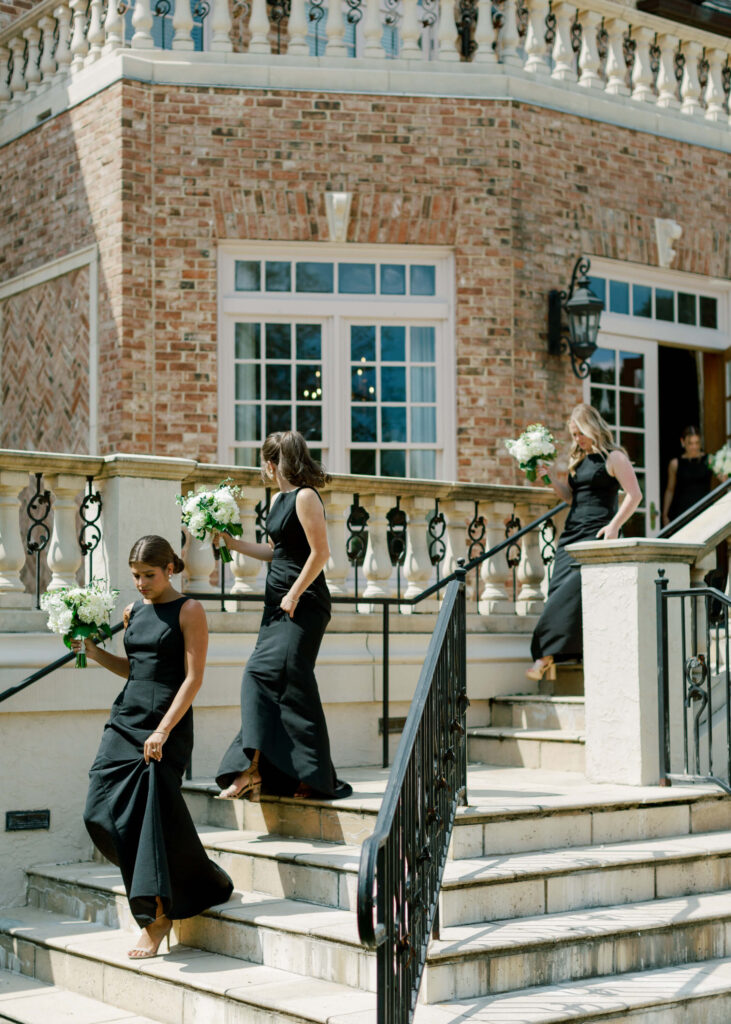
(135,812)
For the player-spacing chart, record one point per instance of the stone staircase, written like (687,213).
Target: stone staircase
(562,901)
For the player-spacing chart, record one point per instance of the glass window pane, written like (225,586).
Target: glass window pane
(278,417)
(393,384)
(631,370)
(423,384)
(248,422)
(357,278)
(279,341)
(686,309)
(278,276)
(422,345)
(599,286)
(247,341)
(641,300)
(423,423)
(603,366)
(635,446)
(247,276)
(709,316)
(632,409)
(393,279)
(363,423)
(635,526)
(314,277)
(309,422)
(423,281)
(246,456)
(605,402)
(363,462)
(248,381)
(393,463)
(363,343)
(309,383)
(363,384)
(664,304)
(393,423)
(618,297)
(278,381)
(641,482)
(393,344)
(309,341)
(423,465)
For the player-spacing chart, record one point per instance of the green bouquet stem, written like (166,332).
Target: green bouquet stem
(225,554)
(81,659)
(546,479)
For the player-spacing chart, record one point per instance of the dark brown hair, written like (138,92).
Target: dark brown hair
(690,431)
(154,550)
(288,450)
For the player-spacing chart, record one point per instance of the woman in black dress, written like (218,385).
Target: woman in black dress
(283,741)
(689,477)
(135,812)
(598,469)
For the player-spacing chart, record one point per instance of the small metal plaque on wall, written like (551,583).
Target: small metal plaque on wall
(21,821)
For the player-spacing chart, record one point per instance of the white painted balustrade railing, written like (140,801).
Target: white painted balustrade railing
(598,45)
(138,497)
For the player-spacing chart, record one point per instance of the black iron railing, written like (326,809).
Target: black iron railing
(694,684)
(402,862)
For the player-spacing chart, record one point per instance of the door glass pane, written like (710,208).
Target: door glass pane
(641,300)
(422,345)
(686,309)
(631,369)
(363,384)
(423,465)
(423,281)
(393,384)
(247,276)
(423,384)
(357,278)
(393,423)
(363,461)
(314,277)
(309,341)
(247,341)
(363,423)
(393,344)
(708,312)
(393,279)
(278,276)
(278,417)
(599,286)
(423,423)
(309,382)
(619,297)
(278,341)
(393,463)
(605,402)
(603,366)
(664,304)
(634,445)
(362,343)
(635,526)
(632,409)
(309,422)
(248,422)
(248,381)
(246,456)
(278,381)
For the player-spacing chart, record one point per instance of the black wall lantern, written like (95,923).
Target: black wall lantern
(583,310)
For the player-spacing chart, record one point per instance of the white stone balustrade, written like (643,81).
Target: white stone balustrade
(246,570)
(12,553)
(418,569)
(63,555)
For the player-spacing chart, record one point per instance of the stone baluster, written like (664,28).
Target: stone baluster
(410,30)
(259,27)
(182,26)
(297,27)
(447,33)
(372,29)
(221,27)
(564,69)
(17,80)
(667,83)
(32,37)
(12,549)
(536,48)
(63,552)
(418,570)
(79,44)
(142,24)
(95,33)
(690,86)
(484,34)
(531,571)
(496,573)
(714,95)
(199,564)
(589,61)
(5,94)
(246,570)
(508,37)
(335,32)
(616,67)
(47,64)
(642,77)
(113,28)
(337,570)
(377,567)
(62,14)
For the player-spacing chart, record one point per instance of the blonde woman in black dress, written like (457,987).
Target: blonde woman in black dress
(598,470)
(283,741)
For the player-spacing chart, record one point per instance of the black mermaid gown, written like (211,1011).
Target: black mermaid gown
(558,631)
(135,812)
(281,711)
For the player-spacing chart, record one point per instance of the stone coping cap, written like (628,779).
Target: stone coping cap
(633,549)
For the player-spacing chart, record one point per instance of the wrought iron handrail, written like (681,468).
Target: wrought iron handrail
(402,862)
(700,506)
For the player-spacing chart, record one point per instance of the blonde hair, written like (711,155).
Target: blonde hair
(586,419)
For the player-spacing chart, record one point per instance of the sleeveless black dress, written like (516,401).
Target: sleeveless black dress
(135,812)
(281,711)
(692,483)
(558,631)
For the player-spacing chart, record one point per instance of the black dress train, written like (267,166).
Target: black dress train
(558,630)
(281,711)
(135,812)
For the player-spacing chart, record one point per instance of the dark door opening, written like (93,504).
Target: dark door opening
(679,402)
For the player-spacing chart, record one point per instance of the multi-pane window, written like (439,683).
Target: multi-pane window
(324,277)
(666,304)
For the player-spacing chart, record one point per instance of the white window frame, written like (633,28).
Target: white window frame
(336,311)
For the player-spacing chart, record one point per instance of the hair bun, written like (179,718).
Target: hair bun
(178,565)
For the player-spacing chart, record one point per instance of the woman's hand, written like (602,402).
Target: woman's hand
(152,750)
(288,604)
(85,644)
(608,532)
(218,538)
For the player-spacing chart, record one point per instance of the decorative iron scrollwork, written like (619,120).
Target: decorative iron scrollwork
(38,534)
(703,68)
(696,674)
(476,533)
(576,33)
(396,533)
(355,11)
(629,48)
(436,528)
(602,41)
(726,77)
(467,20)
(391,15)
(429,12)
(357,542)
(279,12)
(90,534)
(512,552)
(161,10)
(546,540)
(655,55)
(262,511)
(679,63)
(550,23)
(201,10)
(316,14)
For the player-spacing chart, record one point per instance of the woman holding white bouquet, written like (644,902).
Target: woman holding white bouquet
(135,812)
(598,469)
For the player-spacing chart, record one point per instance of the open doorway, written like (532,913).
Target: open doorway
(679,388)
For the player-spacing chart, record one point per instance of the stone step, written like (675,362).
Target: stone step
(538,711)
(25,1000)
(550,749)
(567,679)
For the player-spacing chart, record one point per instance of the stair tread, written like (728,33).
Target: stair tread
(538,698)
(30,1001)
(518,732)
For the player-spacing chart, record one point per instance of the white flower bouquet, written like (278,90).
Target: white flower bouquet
(205,511)
(75,612)
(536,444)
(720,461)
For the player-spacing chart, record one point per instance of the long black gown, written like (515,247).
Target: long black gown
(692,483)
(135,812)
(558,630)
(281,711)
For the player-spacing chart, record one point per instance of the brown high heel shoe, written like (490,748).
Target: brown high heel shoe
(539,668)
(249,786)
(138,953)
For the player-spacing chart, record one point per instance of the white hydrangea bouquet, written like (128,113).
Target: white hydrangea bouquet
(205,511)
(720,462)
(75,612)
(536,444)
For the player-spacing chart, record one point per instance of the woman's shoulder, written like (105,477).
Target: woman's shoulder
(192,612)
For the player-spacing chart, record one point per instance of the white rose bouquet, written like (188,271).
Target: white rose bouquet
(720,462)
(205,511)
(75,612)
(536,444)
